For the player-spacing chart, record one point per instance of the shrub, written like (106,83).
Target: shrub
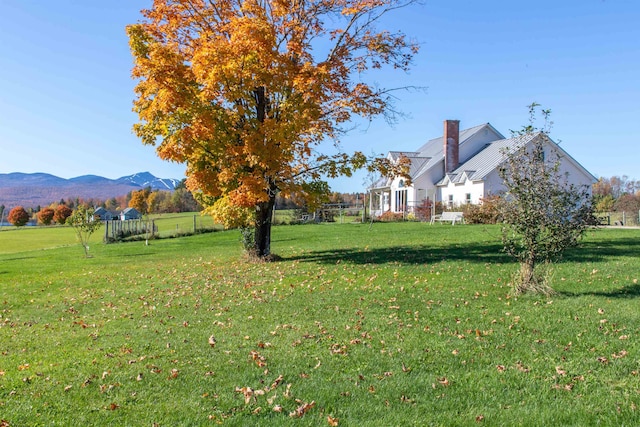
(45,216)
(423,210)
(18,216)
(62,213)
(389,216)
(487,212)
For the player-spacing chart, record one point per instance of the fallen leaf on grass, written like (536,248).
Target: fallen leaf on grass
(443,381)
(333,422)
(567,387)
(302,409)
(276,383)
(258,358)
(561,371)
(619,355)
(212,341)
(405,399)
(247,392)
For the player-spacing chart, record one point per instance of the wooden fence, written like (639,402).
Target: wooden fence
(119,230)
(161,226)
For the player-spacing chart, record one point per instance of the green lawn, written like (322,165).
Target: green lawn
(13,239)
(394,325)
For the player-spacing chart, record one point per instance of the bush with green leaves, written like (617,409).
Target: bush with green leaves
(84,222)
(543,213)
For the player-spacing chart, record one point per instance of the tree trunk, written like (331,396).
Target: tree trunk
(531,282)
(264,216)
(527,278)
(264,210)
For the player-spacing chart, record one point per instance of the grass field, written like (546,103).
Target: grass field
(13,239)
(396,324)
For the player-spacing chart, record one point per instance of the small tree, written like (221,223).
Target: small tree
(18,216)
(84,223)
(62,213)
(543,214)
(45,216)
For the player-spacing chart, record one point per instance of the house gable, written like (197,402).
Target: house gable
(470,142)
(480,152)
(483,167)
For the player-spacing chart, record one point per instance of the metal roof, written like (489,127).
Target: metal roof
(487,160)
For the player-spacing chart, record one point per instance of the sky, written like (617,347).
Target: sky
(66,91)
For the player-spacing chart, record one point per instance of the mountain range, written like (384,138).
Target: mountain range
(41,189)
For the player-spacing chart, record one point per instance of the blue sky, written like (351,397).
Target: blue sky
(66,92)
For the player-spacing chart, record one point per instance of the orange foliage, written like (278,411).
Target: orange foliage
(234,89)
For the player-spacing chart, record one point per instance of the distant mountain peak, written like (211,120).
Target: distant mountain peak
(34,189)
(147,179)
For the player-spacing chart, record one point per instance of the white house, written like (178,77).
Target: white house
(460,167)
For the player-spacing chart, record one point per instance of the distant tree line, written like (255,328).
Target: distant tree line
(293,202)
(617,194)
(145,201)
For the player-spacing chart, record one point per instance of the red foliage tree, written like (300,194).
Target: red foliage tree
(45,216)
(61,214)
(18,216)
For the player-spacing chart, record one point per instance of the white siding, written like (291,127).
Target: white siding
(460,192)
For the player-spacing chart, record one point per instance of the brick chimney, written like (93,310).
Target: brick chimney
(451,145)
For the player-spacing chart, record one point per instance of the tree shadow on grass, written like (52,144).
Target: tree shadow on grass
(138,254)
(481,252)
(17,258)
(596,251)
(627,291)
(423,254)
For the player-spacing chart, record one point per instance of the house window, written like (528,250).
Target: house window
(450,200)
(401,200)
(468,198)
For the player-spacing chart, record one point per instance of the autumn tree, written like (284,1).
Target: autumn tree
(243,91)
(84,223)
(18,216)
(62,213)
(543,213)
(140,200)
(45,216)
